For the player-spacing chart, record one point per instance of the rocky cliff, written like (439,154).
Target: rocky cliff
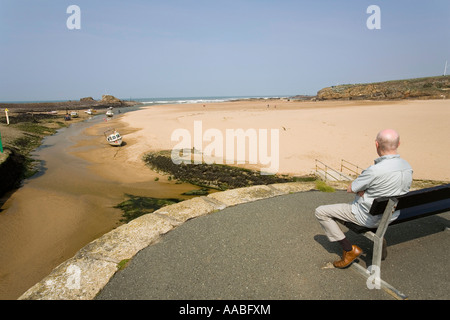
(420,88)
(83,103)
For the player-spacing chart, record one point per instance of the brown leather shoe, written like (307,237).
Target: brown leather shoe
(348,257)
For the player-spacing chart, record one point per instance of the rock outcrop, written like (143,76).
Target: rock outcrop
(84,103)
(421,88)
(87,99)
(108,99)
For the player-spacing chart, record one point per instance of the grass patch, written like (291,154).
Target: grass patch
(122,264)
(322,186)
(35,128)
(201,192)
(24,145)
(137,206)
(304,179)
(27,143)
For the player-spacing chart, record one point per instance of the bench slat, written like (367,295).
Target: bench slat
(408,214)
(423,210)
(413,205)
(413,198)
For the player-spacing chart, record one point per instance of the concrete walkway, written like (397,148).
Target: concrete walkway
(254,243)
(275,249)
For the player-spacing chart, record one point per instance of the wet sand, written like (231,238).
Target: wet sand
(69,204)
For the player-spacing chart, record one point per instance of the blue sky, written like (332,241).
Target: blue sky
(190,48)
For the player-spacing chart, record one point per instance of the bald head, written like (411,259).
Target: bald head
(387,142)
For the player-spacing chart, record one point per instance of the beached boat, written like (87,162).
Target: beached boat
(113,137)
(91,111)
(109,113)
(74,114)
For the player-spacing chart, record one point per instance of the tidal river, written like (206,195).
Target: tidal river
(61,209)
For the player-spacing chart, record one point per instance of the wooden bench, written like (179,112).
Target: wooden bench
(413,205)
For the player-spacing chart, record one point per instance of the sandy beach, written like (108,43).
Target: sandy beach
(325,130)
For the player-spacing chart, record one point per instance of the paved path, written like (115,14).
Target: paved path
(275,249)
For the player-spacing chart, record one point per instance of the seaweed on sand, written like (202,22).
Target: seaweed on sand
(136,206)
(217,176)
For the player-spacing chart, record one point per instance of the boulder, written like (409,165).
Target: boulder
(106,98)
(87,99)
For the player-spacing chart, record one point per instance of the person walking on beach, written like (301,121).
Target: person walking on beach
(389,176)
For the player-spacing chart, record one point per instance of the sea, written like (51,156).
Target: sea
(186,100)
(171,100)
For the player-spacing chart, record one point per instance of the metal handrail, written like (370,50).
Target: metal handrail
(327,173)
(357,167)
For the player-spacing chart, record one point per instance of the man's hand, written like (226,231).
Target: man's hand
(349,188)
(359,193)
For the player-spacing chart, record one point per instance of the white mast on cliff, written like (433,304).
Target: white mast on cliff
(445,69)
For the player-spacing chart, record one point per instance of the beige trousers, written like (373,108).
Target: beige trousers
(327,216)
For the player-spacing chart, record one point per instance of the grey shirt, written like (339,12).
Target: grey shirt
(389,176)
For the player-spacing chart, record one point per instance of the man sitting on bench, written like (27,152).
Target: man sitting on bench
(389,176)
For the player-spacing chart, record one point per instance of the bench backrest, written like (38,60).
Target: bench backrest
(417,203)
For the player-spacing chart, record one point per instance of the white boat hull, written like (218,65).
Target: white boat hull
(114,139)
(116,143)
